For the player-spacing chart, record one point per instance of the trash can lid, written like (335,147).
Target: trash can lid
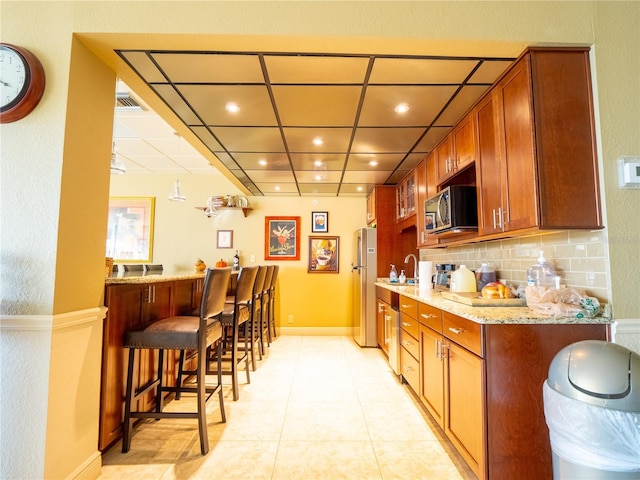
(597,372)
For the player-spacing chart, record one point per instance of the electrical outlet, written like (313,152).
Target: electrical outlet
(290,319)
(253,259)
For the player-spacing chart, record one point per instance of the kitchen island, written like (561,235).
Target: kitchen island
(479,372)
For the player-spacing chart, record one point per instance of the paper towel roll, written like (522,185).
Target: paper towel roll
(425,272)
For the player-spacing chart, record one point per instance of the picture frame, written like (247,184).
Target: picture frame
(282,238)
(429,220)
(319,222)
(224,239)
(130,224)
(324,254)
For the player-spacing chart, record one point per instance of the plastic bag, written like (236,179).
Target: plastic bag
(593,436)
(563,302)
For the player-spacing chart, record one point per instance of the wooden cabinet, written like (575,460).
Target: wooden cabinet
(457,151)
(543,152)
(406,196)
(133,306)
(383,199)
(426,181)
(409,343)
(482,383)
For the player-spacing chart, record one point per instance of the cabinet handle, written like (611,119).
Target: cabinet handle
(428,315)
(407,369)
(456,330)
(404,305)
(406,342)
(500,217)
(493,214)
(406,324)
(380,308)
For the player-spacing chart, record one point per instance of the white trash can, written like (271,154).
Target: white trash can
(592,409)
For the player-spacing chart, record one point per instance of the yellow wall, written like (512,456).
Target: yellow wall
(38,190)
(183,233)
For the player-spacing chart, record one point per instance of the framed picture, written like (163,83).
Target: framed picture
(319,222)
(225,239)
(130,229)
(282,238)
(429,221)
(324,255)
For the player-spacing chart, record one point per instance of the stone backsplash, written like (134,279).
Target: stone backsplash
(580,258)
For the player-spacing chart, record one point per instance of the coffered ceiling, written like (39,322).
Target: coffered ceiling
(304,124)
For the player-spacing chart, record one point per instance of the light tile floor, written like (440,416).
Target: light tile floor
(316,408)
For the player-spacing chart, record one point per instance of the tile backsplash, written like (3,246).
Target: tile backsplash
(578,256)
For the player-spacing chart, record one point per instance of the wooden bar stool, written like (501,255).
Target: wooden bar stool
(272,305)
(179,333)
(265,311)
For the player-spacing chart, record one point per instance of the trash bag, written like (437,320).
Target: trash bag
(562,302)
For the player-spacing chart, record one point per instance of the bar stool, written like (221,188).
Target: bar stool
(179,333)
(272,304)
(235,314)
(255,322)
(265,303)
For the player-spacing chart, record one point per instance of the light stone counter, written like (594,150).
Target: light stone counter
(123,278)
(490,315)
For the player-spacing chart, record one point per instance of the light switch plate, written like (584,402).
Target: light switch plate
(629,172)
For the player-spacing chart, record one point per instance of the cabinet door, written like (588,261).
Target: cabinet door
(382,326)
(411,192)
(401,196)
(516,133)
(125,303)
(371,207)
(444,159)
(432,373)
(489,171)
(464,422)
(464,143)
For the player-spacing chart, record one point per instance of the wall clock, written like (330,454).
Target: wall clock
(21,82)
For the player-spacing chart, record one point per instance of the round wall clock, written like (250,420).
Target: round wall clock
(21,82)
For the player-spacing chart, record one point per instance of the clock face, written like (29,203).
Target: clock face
(14,77)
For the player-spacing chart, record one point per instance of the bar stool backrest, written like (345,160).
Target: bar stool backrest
(244,289)
(214,292)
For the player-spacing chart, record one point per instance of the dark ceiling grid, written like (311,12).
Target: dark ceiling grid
(148,67)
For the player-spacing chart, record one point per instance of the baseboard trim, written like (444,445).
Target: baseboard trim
(90,468)
(317,331)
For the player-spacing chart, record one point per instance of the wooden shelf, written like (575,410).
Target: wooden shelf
(245,210)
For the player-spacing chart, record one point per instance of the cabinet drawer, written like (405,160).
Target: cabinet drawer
(409,306)
(410,344)
(430,316)
(410,369)
(409,325)
(464,332)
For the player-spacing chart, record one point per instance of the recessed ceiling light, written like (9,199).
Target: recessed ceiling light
(262,162)
(232,107)
(402,108)
(318,141)
(318,163)
(318,177)
(277,187)
(359,189)
(373,163)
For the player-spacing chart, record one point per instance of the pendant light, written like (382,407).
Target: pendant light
(177,196)
(117,165)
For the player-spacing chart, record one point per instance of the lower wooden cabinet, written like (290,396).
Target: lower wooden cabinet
(432,373)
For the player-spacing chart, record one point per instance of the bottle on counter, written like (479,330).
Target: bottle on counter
(463,280)
(402,278)
(485,274)
(236,262)
(541,274)
(393,274)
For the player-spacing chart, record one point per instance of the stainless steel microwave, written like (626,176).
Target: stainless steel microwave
(452,209)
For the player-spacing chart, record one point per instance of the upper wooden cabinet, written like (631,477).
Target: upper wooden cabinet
(538,170)
(407,196)
(457,151)
(426,181)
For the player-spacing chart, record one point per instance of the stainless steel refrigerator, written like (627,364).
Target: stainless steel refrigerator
(364,290)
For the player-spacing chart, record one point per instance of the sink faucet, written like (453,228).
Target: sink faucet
(415,265)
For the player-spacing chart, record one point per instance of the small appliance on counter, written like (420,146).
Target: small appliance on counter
(463,280)
(442,278)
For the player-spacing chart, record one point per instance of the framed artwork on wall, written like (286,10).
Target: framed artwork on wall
(225,239)
(324,255)
(319,222)
(282,238)
(130,229)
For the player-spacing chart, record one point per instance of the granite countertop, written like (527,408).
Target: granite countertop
(490,315)
(122,278)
